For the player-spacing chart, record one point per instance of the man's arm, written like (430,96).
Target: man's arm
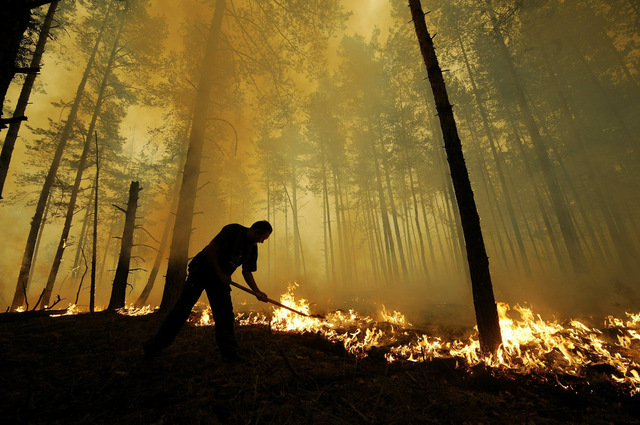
(248,277)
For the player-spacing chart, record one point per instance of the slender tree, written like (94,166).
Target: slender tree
(25,93)
(484,300)
(23,277)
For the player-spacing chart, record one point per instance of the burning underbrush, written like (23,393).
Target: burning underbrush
(343,368)
(531,345)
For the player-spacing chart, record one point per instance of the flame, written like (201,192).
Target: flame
(71,310)
(530,344)
(135,311)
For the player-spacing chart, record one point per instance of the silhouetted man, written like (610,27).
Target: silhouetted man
(211,270)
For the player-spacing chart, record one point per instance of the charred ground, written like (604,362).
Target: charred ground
(89,369)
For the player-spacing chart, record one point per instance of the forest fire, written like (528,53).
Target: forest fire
(530,344)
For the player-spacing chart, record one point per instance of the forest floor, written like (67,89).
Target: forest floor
(89,369)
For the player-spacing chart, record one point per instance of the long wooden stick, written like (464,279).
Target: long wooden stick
(274,302)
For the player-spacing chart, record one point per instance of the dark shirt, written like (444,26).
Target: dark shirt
(234,249)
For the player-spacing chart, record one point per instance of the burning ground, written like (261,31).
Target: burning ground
(346,368)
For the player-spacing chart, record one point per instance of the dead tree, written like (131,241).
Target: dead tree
(483,298)
(122,271)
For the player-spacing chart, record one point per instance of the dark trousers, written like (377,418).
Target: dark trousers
(219,296)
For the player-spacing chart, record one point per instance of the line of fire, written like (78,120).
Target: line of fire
(320,211)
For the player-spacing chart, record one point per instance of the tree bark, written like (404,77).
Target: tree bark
(119,289)
(484,301)
(179,250)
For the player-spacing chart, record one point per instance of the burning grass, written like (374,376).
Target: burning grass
(531,345)
(347,368)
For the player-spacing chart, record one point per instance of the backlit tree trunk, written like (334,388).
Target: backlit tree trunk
(23,277)
(62,243)
(179,250)
(558,203)
(484,301)
(119,289)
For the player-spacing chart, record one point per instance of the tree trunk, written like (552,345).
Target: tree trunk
(144,295)
(328,234)
(490,194)
(179,250)
(484,301)
(23,277)
(39,240)
(555,245)
(558,203)
(423,257)
(392,262)
(394,215)
(119,289)
(94,253)
(81,166)
(498,161)
(23,99)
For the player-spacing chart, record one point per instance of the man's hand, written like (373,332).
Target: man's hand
(261,296)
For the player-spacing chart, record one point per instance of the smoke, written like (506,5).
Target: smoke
(353,266)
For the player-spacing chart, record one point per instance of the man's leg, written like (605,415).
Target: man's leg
(222,310)
(176,318)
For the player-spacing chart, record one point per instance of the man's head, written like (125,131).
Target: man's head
(260,231)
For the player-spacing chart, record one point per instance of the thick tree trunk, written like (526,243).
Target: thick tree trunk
(23,277)
(23,99)
(62,243)
(484,301)
(119,289)
(179,250)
